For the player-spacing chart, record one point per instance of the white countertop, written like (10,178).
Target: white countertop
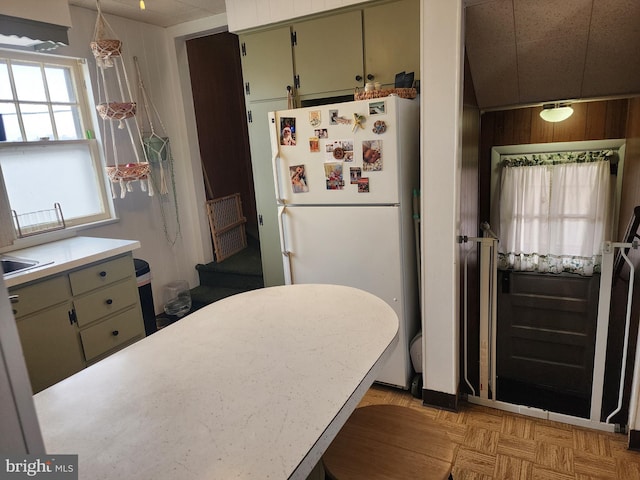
(255,386)
(62,255)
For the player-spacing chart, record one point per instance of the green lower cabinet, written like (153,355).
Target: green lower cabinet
(51,346)
(69,321)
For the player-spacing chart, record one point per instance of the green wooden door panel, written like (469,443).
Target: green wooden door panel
(51,346)
(267,64)
(392,40)
(328,53)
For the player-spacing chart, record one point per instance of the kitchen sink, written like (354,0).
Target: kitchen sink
(15,265)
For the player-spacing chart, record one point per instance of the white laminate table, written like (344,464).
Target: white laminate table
(254,386)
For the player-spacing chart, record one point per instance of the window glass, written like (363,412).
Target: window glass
(67,119)
(10,122)
(28,81)
(60,84)
(5,84)
(38,177)
(37,121)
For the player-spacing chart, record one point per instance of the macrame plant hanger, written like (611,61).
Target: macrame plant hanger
(157,153)
(107,49)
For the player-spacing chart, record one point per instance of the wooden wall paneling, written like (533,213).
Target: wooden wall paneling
(469,225)
(631,174)
(522,119)
(541,131)
(504,128)
(623,121)
(596,115)
(573,129)
(616,118)
(487,135)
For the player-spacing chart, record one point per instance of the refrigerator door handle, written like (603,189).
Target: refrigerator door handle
(275,157)
(288,272)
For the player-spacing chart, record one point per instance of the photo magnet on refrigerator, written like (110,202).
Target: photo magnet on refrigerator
(287,131)
(372,155)
(298,179)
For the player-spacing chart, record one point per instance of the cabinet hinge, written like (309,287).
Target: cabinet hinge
(243,49)
(247,88)
(249,116)
(296,81)
(72,317)
(294,39)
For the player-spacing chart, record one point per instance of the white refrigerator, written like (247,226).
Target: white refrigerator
(344,176)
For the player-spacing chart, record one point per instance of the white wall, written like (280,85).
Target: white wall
(441,75)
(139,214)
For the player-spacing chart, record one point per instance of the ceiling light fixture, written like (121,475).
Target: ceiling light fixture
(142,5)
(556,112)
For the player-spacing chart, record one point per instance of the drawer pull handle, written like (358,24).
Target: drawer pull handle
(115,333)
(15,311)
(103,274)
(14,298)
(109,301)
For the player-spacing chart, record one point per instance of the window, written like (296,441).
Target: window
(555,211)
(47,152)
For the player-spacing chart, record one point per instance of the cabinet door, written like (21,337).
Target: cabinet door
(392,40)
(51,346)
(261,162)
(328,54)
(267,65)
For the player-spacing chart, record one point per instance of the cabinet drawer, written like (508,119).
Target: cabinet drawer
(40,295)
(105,301)
(101,274)
(111,333)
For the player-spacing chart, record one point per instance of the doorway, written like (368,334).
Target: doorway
(602,120)
(216,83)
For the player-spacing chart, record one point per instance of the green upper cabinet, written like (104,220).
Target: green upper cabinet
(328,54)
(392,40)
(267,65)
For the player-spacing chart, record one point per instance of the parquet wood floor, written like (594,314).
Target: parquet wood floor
(493,444)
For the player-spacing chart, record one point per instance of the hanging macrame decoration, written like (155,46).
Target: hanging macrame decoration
(116,107)
(157,153)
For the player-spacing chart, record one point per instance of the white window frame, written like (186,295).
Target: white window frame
(88,120)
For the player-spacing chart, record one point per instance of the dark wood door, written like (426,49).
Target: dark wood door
(546,333)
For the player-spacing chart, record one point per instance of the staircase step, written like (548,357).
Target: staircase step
(204,295)
(229,280)
(242,270)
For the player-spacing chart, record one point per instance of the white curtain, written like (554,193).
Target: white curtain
(553,218)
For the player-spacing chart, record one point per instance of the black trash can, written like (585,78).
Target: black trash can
(143,279)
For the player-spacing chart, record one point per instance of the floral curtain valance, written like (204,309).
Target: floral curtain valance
(559,158)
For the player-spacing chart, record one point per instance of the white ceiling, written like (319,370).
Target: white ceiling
(163,13)
(520,51)
(531,51)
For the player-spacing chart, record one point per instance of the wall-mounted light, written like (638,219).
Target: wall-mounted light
(556,112)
